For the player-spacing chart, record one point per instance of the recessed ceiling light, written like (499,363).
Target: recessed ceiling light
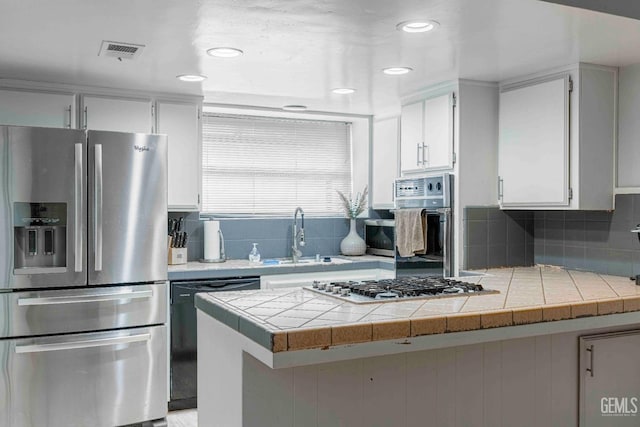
(224,52)
(343,90)
(295,108)
(417,26)
(396,71)
(191,77)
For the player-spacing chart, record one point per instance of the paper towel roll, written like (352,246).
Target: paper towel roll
(211,240)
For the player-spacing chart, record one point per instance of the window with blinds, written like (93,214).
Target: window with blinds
(270,166)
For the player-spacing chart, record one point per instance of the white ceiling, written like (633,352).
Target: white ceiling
(296,51)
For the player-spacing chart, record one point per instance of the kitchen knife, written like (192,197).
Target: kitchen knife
(184,240)
(180,222)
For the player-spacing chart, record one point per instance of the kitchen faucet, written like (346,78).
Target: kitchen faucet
(295,252)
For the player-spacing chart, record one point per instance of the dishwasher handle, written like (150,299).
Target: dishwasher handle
(255,284)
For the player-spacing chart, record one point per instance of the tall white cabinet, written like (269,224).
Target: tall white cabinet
(37,108)
(181,122)
(427,134)
(386,134)
(556,140)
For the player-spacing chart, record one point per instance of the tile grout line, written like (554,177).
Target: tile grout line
(506,298)
(576,285)
(544,296)
(609,284)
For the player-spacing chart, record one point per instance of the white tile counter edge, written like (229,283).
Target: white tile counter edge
(288,359)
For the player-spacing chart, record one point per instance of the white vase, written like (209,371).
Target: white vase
(353,244)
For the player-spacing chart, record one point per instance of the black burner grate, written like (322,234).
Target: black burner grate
(407,287)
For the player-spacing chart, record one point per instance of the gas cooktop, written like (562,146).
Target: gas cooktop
(400,289)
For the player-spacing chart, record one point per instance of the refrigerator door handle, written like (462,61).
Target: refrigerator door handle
(72,345)
(75,299)
(78,209)
(97,209)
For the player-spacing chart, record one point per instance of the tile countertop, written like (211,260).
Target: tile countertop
(295,318)
(242,267)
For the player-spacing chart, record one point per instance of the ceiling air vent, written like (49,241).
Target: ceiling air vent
(120,50)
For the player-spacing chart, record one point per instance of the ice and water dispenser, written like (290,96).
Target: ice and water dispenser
(40,237)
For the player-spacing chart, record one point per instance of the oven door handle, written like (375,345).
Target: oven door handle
(73,345)
(447,242)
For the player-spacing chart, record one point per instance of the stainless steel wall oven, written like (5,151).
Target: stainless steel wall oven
(433,197)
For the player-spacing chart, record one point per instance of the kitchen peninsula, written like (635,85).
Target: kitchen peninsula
(294,357)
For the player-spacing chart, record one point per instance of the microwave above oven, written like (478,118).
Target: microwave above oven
(380,235)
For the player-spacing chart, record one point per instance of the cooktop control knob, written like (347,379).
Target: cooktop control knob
(438,186)
(430,187)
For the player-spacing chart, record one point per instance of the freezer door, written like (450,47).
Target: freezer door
(42,207)
(81,310)
(127,207)
(99,379)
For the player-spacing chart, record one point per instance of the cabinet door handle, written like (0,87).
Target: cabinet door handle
(425,148)
(418,158)
(590,368)
(68,109)
(86,118)
(500,188)
(393,192)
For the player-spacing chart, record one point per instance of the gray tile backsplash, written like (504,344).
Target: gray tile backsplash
(598,241)
(273,235)
(497,238)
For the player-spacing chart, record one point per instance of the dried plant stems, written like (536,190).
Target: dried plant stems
(354,207)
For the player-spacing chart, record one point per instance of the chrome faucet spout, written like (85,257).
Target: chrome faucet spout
(295,233)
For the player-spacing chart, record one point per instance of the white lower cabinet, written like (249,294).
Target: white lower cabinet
(33,108)
(276,281)
(610,380)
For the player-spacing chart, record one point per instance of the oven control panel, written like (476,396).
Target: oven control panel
(434,191)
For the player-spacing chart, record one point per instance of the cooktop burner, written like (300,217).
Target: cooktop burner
(411,287)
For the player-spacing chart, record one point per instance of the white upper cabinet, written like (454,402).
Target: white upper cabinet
(556,140)
(33,108)
(534,144)
(181,122)
(385,162)
(117,114)
(426,137)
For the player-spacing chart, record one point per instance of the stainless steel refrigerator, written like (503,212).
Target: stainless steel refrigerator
(83,270)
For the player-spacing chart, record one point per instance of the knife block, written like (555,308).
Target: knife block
(177,256)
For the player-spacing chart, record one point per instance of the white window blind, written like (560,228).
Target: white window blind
(266,165)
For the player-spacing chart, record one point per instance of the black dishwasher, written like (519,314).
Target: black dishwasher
(184,346)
